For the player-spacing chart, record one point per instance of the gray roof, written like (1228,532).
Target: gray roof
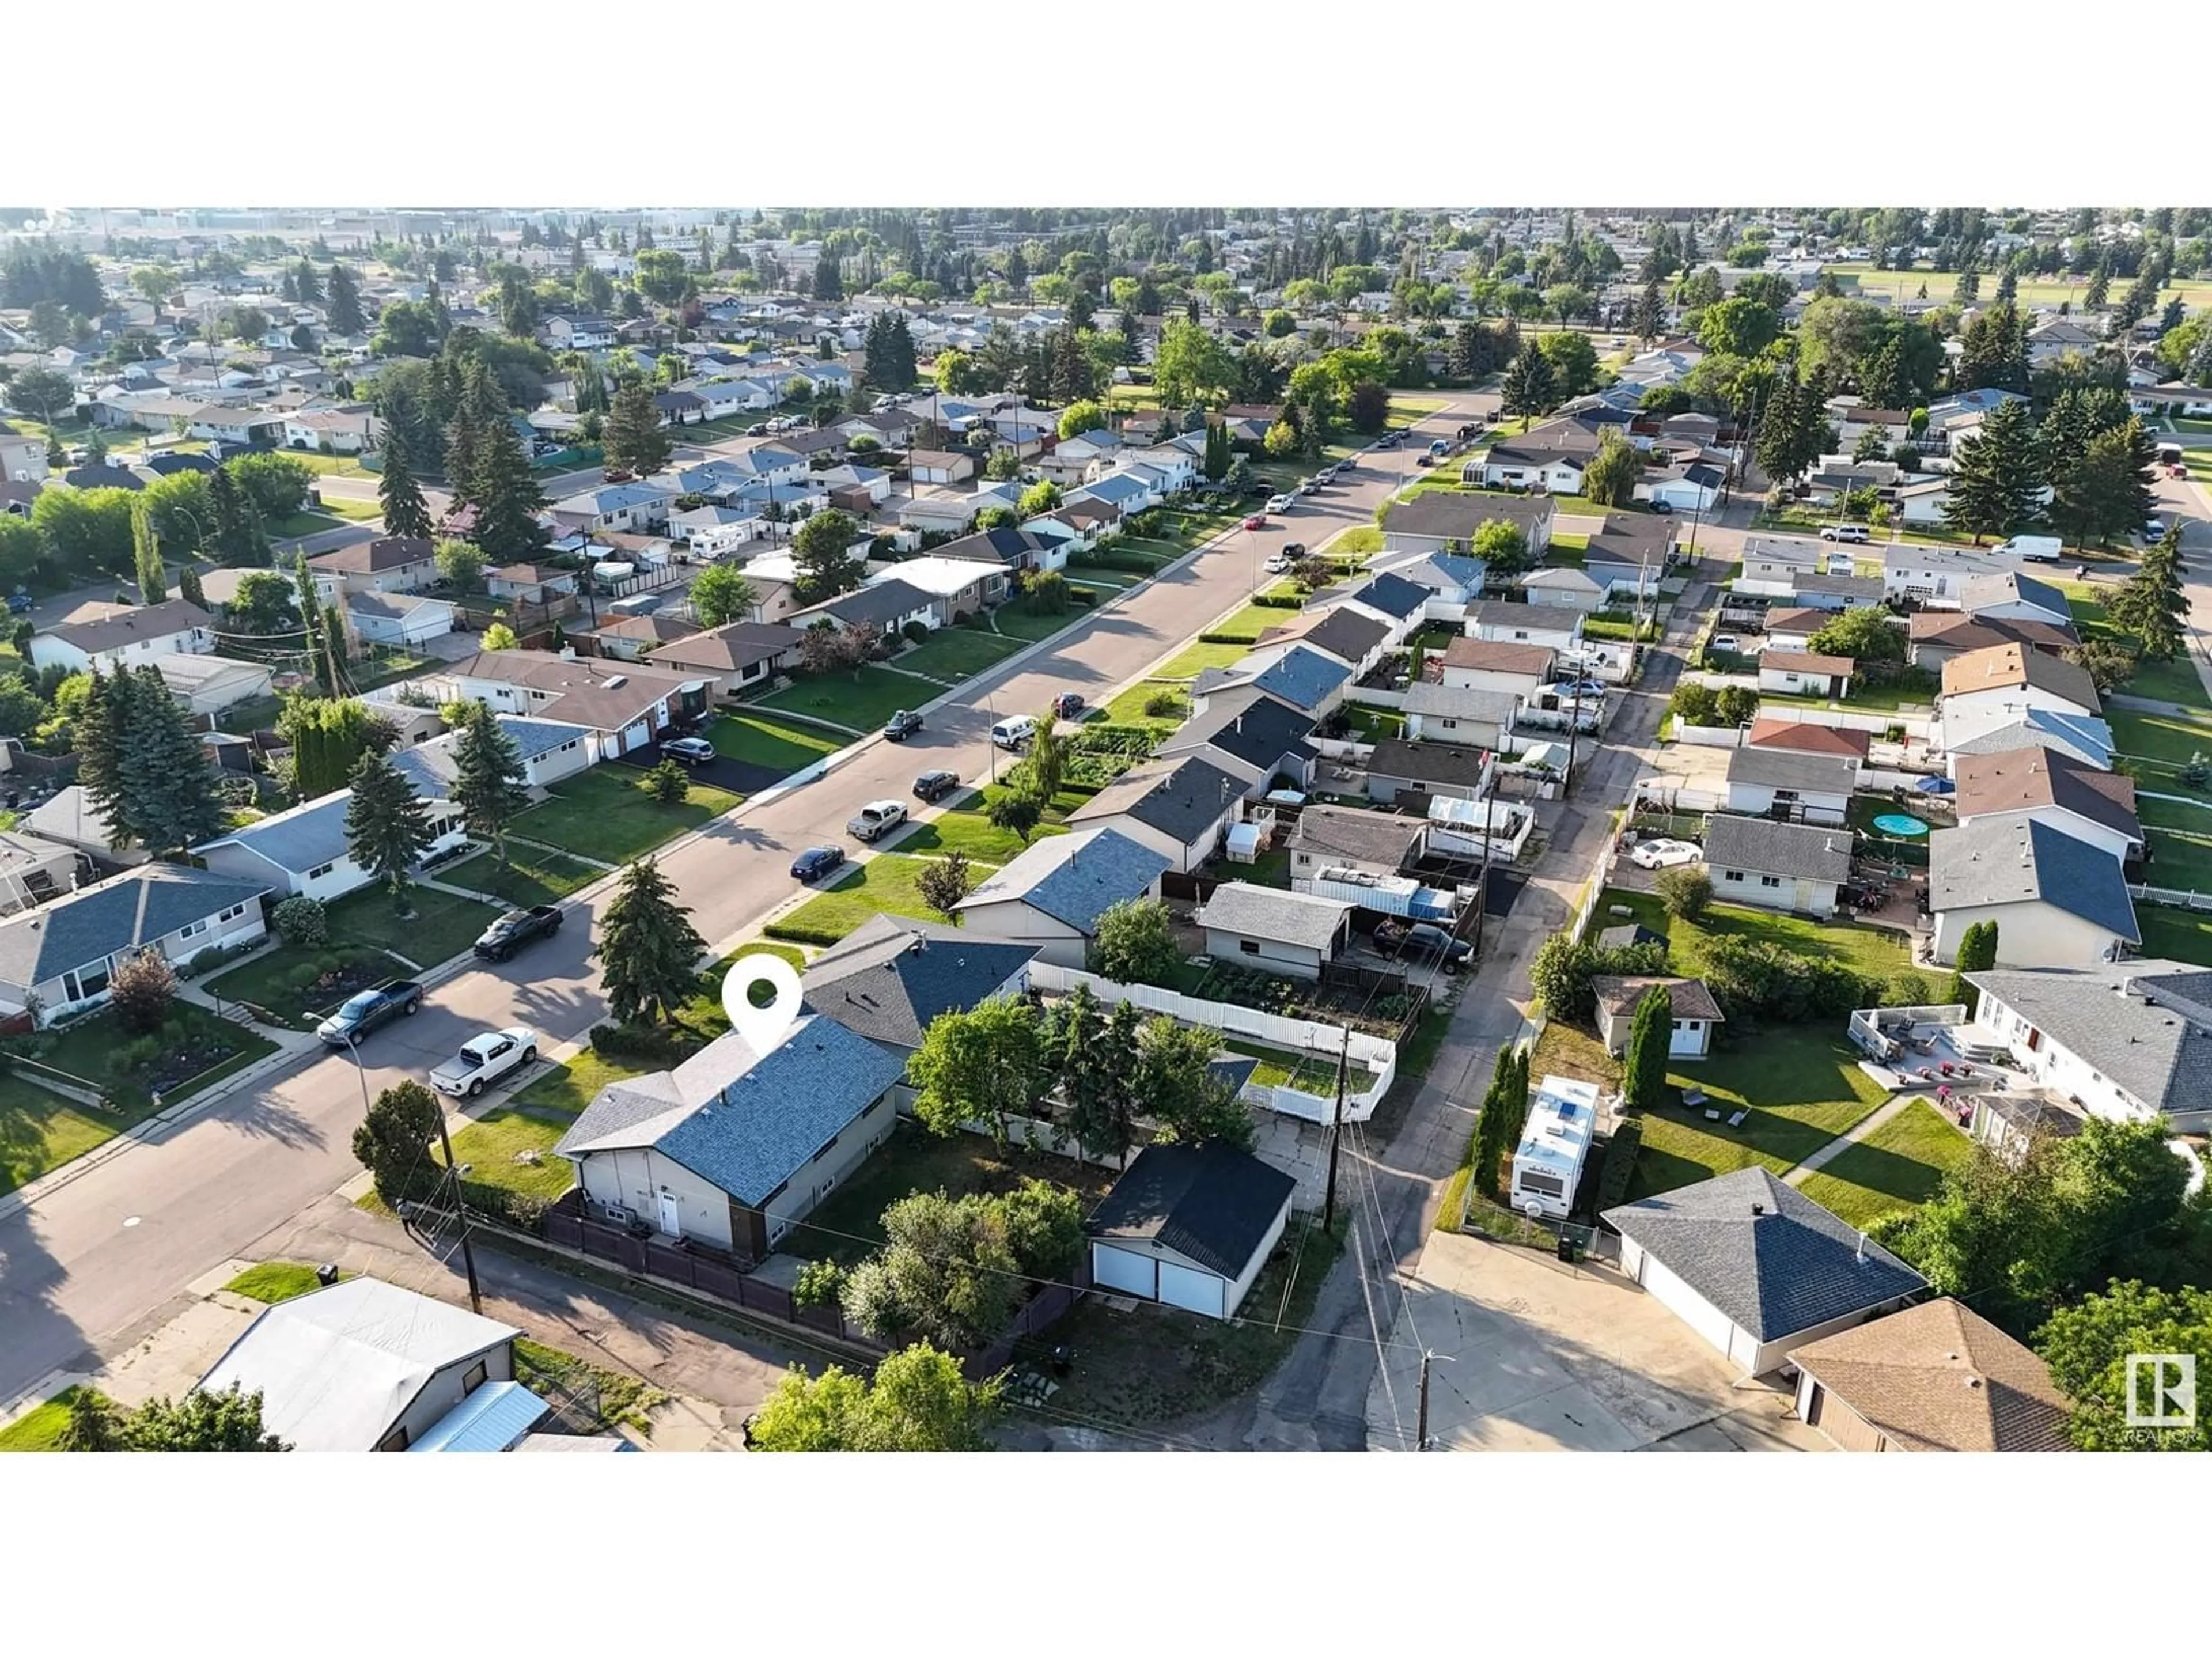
(1270,912)
(2010,857)
(1803,850)
(1764,1254)
(1463,702)
(2005,588)
(2143,1024)
(1422,762)
(744,1121)
(885,602)
(889,978)
(298,838)
(1790,768)
(125,625)
(1259,733)
(1393,595)
(1346,633)
(1181,799)
(1351,832)
(1075,878)
(1209,1203)
(118,915)
(2083,736)
(1543,618)
(1689,999)
(1457,515)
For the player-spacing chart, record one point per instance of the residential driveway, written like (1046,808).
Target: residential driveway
(1531,1355)
(742,777)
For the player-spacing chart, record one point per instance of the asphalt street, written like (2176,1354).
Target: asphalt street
(98,1258)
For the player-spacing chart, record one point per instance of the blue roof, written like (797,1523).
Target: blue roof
(491,1419)
(744,1121)
(148,904)
(1302,679)
(1116,488)
(1075,878)
(2042,593)
(1470,574)
(298,840)
(1393,596)
(2085,729)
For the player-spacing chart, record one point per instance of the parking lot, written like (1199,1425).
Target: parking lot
(1530,1355)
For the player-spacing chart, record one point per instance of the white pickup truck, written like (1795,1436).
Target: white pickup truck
(484,1059)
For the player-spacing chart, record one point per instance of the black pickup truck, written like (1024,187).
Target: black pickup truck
(516,929)
(363,1012)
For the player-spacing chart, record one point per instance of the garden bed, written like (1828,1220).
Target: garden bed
(298,989)
(194,1047)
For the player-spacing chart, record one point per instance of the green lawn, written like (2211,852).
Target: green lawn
(964,829)
(1250,622)
(1361,540)
(603,814)
(1895,1168)
(1128,708)
(569,1087)
(2168,809)
(1313,1073)
(884,885)
(2179,861)
(92,1049)
(270,981)
(440,925)
(1014,623)
(2178,935)
(2171,737)
(1570,1051)
(275,1281)
(1194,659)
(848,1224)
(300,524)
(1877,950)
(531,876)
(322,463)
(1801,1085)
(345,506)
(40,1430)
(490,1145)
(762,741)
(2175,681)
(40,1132)
(951,654)
(861,703)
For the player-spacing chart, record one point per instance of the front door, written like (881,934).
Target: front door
(672,1214)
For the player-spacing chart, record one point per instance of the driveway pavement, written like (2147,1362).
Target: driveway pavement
(1533,1355)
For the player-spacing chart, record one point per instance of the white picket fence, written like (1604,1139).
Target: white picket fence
(1377,1056)
(2174,898)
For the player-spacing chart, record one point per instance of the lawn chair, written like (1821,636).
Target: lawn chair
(1735,1119)
(1694,1098)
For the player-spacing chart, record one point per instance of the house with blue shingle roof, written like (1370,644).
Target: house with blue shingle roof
(60,957)
(1053,894)
(736,1146)
(304,851)
(551,751)
(1308,680)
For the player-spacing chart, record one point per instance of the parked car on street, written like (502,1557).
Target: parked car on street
(1014,731)
(483,1059)
(935,786)
(20,603)
(516,929)
(1277,563)
(1067,706)
(1280,503)
(1257,521)
(876,820)
(363,1011)
(901,726)
(2153,529)
(1663,853)
(1846,532)
(757,429)
(817,861)
(692,751)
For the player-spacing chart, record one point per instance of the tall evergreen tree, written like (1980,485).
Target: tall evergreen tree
(1650,312)
(2107,492)
(405,513)
(488,779)
(189,589)
(387,824)
(343,308)
(2151,604)
(146,554)
(1493,1138)
(1643,1077)
(648,951)
(634,437)
(236,536)
(900,354)
(141,764)
(1526,390)
(1997,477)
(507,499)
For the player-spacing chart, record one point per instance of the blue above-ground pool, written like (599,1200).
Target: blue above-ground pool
(1900,824)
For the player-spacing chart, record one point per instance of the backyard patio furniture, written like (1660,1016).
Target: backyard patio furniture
(1735,1119)
(1713,1113)
(1693,1099)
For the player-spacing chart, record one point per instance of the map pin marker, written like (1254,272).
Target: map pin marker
(762,1028)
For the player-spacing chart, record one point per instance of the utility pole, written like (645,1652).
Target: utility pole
(460,1212)
(1336,1132)
(1421,1424)
(1574,730)
(1482,880)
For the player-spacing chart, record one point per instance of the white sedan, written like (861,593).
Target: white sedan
(1659,854)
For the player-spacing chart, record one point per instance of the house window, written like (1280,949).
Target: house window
(233,913)
(85,983)
(320,871)
(1248,947)
(1770,881)
(1731,875)
(192,929)
(478,1374)
(1693,1025)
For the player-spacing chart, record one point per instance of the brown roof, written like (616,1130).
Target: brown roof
(2018,780)
(1955,630)
(372,558)
(731,647)
(1497,656)
(1799,620)
(583,690)
(1806,662)
(2007,667)
(1939,1378)
(1619,993)
(660,631)
(98,626)
(1804,737)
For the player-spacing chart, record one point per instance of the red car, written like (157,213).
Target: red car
(1257,521)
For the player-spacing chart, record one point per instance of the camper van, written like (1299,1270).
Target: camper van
(1013,731)
(1547,1164)
(2039,550)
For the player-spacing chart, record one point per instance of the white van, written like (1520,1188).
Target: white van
(2041,549)
(1013,731)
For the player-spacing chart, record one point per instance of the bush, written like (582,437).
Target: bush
(916,632)
(1620,1166)
(142,992)
(646,1044)
(1754,981)
(302,923)
(1907,990)
(667,783)
(817,1284)
(1166,704)
(1686,890)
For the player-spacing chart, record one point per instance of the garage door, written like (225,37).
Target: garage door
(1185,1287)
(637,737)
(1121,1270)
(1693,1310)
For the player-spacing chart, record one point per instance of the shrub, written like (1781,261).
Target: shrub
(1165,704)
(817,1284)
(667,783)
(915,631)
(302,923)
(643,1043)
(1620,1166)
(960,619)
(142,992)
(1685,890)
(1907,990)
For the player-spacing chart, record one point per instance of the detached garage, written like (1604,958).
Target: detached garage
(1190,1226)
(1756,1268)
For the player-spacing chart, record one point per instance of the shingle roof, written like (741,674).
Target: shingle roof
(1786,769)
(116,914)
(1804,737)
(2085,735)
(1457,515)
(2011,857)
(1806,662)
(889,978)
(1259,734)
(373,558)
(1690,998)
(2141,1024)
(731,647)
(2023,780)
(1346,635)
(742,1120)
(1393,595)
(297,839)
(1181,799)
(1301,678)
(1210,1204)
(1427,763)
(1939,1378)
(1783,849)
(1271,913)
(1351,832)
(1498,656)
(2009,587)
(1953,630)
(95,628)
(1539,618)
(885,602)
(2008,667)
(1074,879)
(1764,1254)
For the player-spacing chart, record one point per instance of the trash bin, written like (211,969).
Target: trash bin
(327,1274)
(1566,1249)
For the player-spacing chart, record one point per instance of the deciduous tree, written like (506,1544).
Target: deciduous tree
(2094,1347)
(919,1401)
(984,1063)
(944,883)
(1134,943)
(722,594)
(393,1140)
(821,556)
(225,1421)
